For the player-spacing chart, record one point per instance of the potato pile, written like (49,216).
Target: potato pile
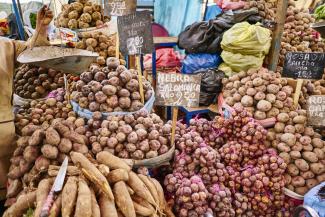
(301,148)
(98,42)
(242,178)
(108,188)
(267,9)
(44,112)
(137,136)
(297,35)
(110,89)
(80,15)
(263,93)
(33,82)
(40,146)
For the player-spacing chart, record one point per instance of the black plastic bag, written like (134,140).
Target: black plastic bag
(206,36)
(211,85)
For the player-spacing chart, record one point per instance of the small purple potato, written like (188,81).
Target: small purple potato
(151,154)
(132,137)
(100,97)
(121,137)
(125,76)
(109,90)
(154,145)
(124,102)
(95,86)
(112,62)
(137,155)
(112,101)
(65,145)
(86,77)
(130,147)
(153,135)
(83,149)
(96,147)
(100,76)
(93,106)
(135,96)
(142,134)
(132,85)
(123,93)
(112,142)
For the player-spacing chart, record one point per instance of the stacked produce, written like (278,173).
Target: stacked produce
(106,188)
(263,93)
(110,89)
(266,9)
(98,42)
(80,15)
(298,36)
(41,146)
(43,112)
(242,178)
(137,136)
(301,148)
(33,82)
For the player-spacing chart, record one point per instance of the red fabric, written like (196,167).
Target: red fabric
(227,5)
(165,57)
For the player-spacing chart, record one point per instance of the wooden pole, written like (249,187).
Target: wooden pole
(117,47)
(297,92)
(277,34)
(174,121)
(138,62)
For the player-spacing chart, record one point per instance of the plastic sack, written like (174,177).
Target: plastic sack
(211,85)
(21,102)
(165,57)
(85,113)
(238,62)
(315,199)
(247,39)
(228,5)
(205,37)
(195,62)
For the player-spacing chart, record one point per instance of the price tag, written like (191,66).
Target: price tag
(120,7)
(175,89)
(135,33)
(304,65)
(316,110)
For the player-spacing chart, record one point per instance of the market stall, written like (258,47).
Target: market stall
(243,134)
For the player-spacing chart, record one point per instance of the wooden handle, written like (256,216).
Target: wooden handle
(117,47)
(174,121)
(297,92)
(48,204)
(138,65)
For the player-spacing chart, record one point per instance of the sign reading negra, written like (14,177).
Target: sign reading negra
(121,7)
(135,33)
(304,65)
(316,110)
(175,89)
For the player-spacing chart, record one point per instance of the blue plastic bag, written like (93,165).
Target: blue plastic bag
(195,62)
(313,199)
(212,11)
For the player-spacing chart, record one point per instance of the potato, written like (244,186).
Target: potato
(36,137)
(310,183)
(298,181)
(292,169)
(299,119)
(321,178)
(310,156)
(301,190)
(49,151)
(317,143)
(264,105)
(52,136)
(302,165)
(317,168)
(295,155)
(283,117)
(286,157)
(279,127)
(319,153)
(288,138)
(247,101)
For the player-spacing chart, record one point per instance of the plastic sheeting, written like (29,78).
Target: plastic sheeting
(175,15)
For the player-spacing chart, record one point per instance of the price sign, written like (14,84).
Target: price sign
(175,89)
(121,7)
(304,65)
(135,33)
(316,110)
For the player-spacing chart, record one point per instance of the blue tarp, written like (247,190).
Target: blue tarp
(175,15)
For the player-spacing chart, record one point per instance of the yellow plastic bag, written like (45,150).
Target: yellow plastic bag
(238,62)
(247,39)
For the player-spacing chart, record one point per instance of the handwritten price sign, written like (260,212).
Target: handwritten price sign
(135,33)
(175,89)
(121,7)
(304,65)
